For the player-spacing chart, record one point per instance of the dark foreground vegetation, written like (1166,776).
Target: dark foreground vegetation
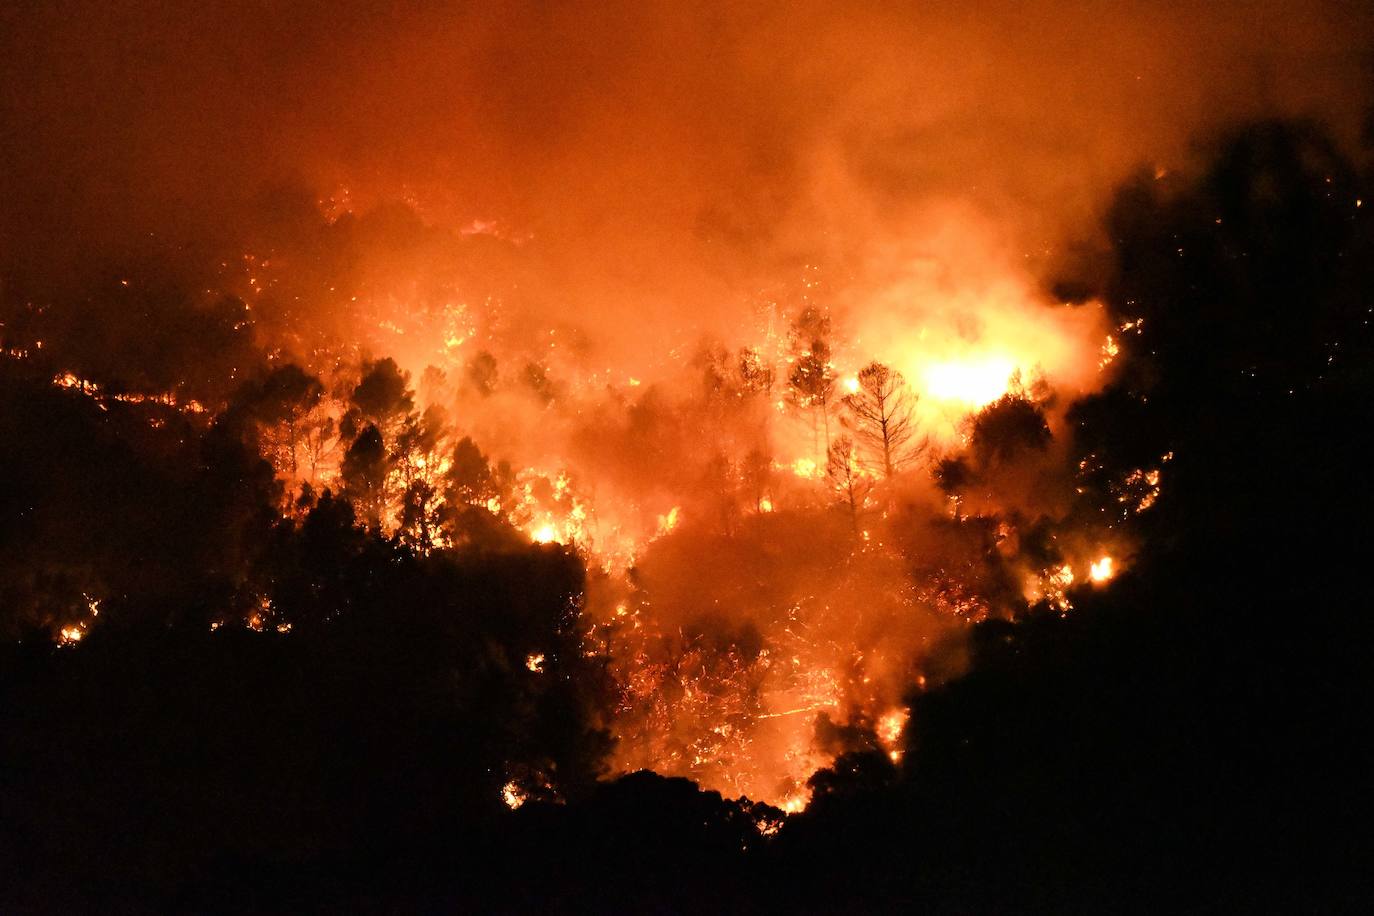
(1188,740)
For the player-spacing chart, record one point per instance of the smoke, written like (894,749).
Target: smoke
(659,163)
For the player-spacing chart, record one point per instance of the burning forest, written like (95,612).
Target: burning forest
(785,453)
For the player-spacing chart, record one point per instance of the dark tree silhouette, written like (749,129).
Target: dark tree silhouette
(845,473)
(281,403)
(881,412)
(811,386)
(367,465)
(482,373)
(1006,428)
(470,479)
(383,396)
(536,379)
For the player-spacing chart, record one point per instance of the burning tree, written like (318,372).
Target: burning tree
(847,476)
(366,467)
(282,403)
(812,384)
(881,406)
(754,372)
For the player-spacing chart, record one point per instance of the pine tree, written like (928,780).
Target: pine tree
(881,417)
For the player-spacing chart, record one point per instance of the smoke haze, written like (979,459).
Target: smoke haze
(659,166)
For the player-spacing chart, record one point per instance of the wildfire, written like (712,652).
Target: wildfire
(720,674)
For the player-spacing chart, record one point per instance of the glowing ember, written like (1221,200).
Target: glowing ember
(70,636)
(769,826)
(535,663)
(513,795)
(1053,588)
(1110,350)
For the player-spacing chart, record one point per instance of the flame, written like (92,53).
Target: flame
(890,728)
(1101,570)
(513,795)
(1052,587)
(535,662)
(1110,350)
(975,382)
(667,523)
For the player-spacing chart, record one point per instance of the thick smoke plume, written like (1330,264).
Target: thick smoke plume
(659,161)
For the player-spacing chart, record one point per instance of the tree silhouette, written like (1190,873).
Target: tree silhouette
(846,475)
(482,373)
(881,411)
(469,477)
(366,467)
(1008,426)
(756,472)
(416,457)
(756,376)
(811,384)
(282,403)
(536,379)
(382,396)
